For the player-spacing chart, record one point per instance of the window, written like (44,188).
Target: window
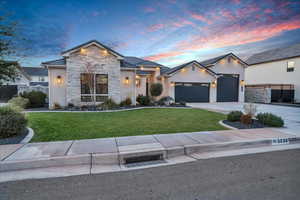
(290,66)
(41,78)
(94,86)
(193,68)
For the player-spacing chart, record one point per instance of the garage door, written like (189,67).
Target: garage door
(7,92)
(228,88)
(192,92)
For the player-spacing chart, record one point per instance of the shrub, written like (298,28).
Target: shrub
(156,89)
(246,119)
(71,105)
(250,109)
(234,116)
(270,119)
(109,104)
(12,122)
(183,103)
(19,101)
(165,101)
(143,100)
(56,106)
(36,98)
(126,102)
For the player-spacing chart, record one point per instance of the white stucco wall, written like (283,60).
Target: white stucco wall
(225,66)
(191,76)
(128,89)
(275,73)
(57,92)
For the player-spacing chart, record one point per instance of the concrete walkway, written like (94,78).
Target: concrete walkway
(290,115)
(113,154)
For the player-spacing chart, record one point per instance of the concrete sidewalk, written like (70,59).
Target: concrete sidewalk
(114,154)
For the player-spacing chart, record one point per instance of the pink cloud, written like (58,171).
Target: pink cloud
(201,18)
(156,27)
(163,55)
(149,9)
(227,14)
(236,1)
(268,10)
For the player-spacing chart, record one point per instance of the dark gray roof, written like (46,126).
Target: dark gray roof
(213,60)
(174,69)
(140,61)
(127,64)
(275,54)
(39,83)
(95,41)
(55,62)
(36,71)
(140,72)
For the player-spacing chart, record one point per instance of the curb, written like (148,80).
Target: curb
(227,126)
(28,137)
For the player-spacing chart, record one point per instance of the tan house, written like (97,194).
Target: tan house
(274,75)
(119,77)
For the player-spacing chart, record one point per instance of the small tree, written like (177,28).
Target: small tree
(90,71)
(156,89)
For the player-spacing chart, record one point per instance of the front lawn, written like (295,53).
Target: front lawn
(54,126)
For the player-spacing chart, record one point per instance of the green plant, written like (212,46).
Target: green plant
(143,100)
(156,89)
(12,122)
(109,104)
(182,103)
(234,116)
(270,119)
(126,102)
(165,101)
(19,101)
(36,98)
(246,119)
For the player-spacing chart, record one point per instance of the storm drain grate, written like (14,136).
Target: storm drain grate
(143,160)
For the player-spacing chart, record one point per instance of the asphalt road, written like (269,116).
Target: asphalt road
(273,176)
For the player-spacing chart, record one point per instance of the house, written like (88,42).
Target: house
(38,75)
(112,75)
(11,88)
(274,75)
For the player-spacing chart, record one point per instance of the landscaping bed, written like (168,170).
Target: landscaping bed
(239,125)
(56,126)
(15,139)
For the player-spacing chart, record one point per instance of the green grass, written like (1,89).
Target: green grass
(69,126)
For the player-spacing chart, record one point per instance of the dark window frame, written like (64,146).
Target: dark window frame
(86,94)
(290,69)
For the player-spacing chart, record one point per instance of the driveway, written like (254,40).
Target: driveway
(291,115)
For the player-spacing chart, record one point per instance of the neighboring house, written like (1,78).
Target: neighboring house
(274,75)
(38,75)
(119,77)
(10,89)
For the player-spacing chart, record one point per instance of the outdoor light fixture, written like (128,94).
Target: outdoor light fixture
(182,70)
(137,76)
(202,70)
(83,51)
(213,84)
(59,80)
(127,80)
(242,82)
(142,68)
(157,68)
(172,84)
(104,52)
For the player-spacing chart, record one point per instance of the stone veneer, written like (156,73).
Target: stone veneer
(103,64)
(258,95)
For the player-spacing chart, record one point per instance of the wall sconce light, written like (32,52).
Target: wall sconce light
(202,70)
(242,83)
(157,68)
(182,70)
(59,80)
(104,52)
(126,80)
(213,84)
(142,68)
(172,84)
(83,51)
(137,76)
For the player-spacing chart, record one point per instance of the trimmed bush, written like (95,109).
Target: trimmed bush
(234,116)
(246,119)
(143,100)
(126,102)
(270,119)
(19,102)
(156,89)
(56,106)
(165,101)
(12,122)
(109,104)
(37,99)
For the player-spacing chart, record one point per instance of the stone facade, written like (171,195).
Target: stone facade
(258,95)
(101,63)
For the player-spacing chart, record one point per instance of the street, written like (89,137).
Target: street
(273,175)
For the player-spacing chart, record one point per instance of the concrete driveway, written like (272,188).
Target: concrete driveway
(291,115)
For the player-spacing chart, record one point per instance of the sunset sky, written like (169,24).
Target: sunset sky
(169,32)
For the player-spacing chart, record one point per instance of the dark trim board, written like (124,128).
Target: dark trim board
(191,92)
(228,88)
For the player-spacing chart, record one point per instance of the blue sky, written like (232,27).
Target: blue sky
(166,31)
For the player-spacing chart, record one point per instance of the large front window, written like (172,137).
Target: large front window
(94,87)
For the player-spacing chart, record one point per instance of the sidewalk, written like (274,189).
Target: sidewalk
(124,153)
